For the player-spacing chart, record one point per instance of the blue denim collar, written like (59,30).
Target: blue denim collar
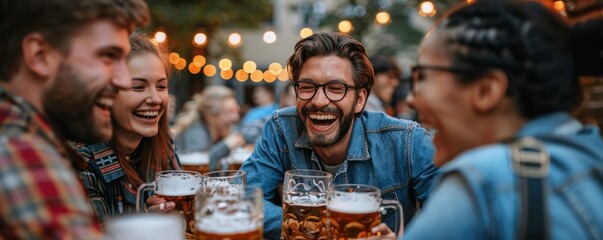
(357,149)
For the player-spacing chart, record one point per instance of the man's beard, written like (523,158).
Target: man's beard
(68,105)
(345,123)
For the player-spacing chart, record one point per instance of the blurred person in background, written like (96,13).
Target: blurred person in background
(496,81)
(286,97)
(61,64)
(210,125)
(263,99)
(141,143)
(387,78)
(329,130)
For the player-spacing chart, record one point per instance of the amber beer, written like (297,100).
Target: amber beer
(198,162)
(178,186)
(185,204)
(354,209)
(350,222)
(304,220)
(230,215)
(235,234)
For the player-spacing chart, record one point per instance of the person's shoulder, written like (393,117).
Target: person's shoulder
(379,121)
(287,112)
(28,148)
(489,161)
(93,151)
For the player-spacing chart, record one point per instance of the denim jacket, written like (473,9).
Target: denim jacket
(479,192)
(392,154)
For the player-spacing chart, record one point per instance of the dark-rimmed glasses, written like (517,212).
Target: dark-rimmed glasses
(334,90)
(417,74)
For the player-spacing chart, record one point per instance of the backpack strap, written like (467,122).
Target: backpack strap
(531,164)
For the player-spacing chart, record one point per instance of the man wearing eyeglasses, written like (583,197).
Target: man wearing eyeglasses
(329,131)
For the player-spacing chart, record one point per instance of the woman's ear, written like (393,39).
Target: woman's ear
(490,90)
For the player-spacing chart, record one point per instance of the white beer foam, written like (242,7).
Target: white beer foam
(178,184)
(356,205)
(220,223)
(198,158)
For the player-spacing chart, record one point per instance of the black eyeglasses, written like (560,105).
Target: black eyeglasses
(334,90)
(418,75)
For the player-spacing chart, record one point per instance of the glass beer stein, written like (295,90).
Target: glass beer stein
(178,186)
(225,180)
(230,215)
(354,209)
(304,204)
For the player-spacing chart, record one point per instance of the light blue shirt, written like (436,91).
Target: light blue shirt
(478,197)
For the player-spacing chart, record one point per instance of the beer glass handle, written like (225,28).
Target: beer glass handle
(140,194)
(399,217)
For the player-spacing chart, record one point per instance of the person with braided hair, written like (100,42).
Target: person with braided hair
(491,76)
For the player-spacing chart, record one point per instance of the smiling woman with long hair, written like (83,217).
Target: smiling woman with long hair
(141,143)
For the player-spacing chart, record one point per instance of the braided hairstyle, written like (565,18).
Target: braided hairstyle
(525,40)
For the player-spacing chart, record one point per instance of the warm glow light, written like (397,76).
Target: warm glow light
(194,69)
(269,76)
(241,75)
(225,64)
(200,39)
(427,9)
(275,68)
(235,40)
(173,57)
(345,26)
(226,74)
(269,37)
(559,6)
(249,66)
(305,32)
(160,36)
(180,64)
(209,70)
(257,76)
(199,61)
(283,76)
(470,1)
(382,18)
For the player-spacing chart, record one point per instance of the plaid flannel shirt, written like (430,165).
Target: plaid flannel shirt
(41,196)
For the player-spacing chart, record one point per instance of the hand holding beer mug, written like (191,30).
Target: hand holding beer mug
(304,204)
(177,186)
(354,209)
(229,215)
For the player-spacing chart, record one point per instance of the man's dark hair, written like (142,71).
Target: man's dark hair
(58,21)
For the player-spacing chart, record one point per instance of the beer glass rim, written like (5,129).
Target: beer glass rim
(365,188)
(177,171)
(308,173)
(224,173)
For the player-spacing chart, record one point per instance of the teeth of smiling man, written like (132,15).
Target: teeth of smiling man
(105,102)
(322,117)
(148,113)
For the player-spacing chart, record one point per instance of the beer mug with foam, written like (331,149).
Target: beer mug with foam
(304,204)
(178,186)
(225,180)
(230,215)
(354,209)
(198,161)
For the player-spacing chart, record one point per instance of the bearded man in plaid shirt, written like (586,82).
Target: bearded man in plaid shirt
(61,63)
